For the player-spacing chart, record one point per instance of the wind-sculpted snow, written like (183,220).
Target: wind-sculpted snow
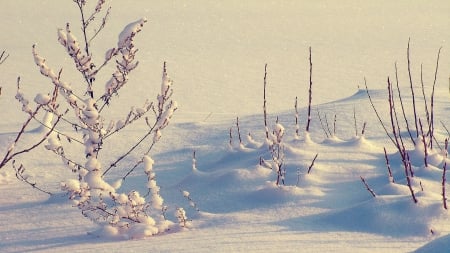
(313,192)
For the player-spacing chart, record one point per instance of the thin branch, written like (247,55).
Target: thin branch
(310,91)
(69,138)
(296,118)
(378,115)
(328,125)
(238,130)
(265,103)
(334,124)
(24,178)
(3,57)
(444,197)
(84,25)
(312,163)
(102,25)
(424,141)
(432,100)
(412,91)
(391,177)
(354,119)
(368,188)
(321,124)
(401,104)
(427,112)
(114,164)
(446,129)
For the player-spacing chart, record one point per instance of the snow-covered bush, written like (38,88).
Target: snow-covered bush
(126,214)
(276,148)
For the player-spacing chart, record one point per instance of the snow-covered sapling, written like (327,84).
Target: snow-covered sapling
(277,151)
(180,213)
(128,213)
(276,148)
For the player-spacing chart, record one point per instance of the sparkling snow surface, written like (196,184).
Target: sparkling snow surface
(215,53)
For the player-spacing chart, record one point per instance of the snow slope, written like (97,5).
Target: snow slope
(216,54)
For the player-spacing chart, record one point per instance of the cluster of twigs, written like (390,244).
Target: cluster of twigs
(274,138)
(421,131)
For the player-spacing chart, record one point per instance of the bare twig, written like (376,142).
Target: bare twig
(444,197)
(391,177)
(265,103)
(3,57)
(446,129)
(231,137)
(25,178)
(321,124)
(412,90)
(238,130)
(363,129)
(367,187)
(102,25)
(427,112)
(296,119)
(408,170)
(334,124)
(401,104)
(312,163)
(424,141)
(378,115)
(354,120)
(431,130)
(310,92)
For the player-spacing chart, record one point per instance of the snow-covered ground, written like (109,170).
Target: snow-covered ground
(216,51)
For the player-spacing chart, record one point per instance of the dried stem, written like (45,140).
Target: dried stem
(310,92)
(312,163)
(424,141)
(412,90)
(354,120)
(265,103)
(296,118)
(408,170)
(238,130)
(444,197)
(363,129)
(378,115)
(24,178)
(367,187)
(231,137)
(401,104)
(391,177)
(334,124)
(321,124)
(431,125)
(3,57)
(427,112)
